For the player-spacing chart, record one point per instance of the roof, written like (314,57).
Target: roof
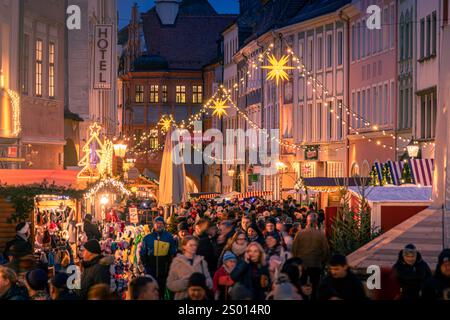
(423,229)
(192,42)
(335,182)
(150,63)
(61,178)
(72,116)
(396,194)
(317,8)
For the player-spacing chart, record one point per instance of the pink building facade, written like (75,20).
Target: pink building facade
(372,86)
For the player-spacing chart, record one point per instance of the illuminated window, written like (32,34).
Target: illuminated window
(51,70)
(197,94)
(38,82)
(165,94)
(154,93)
(154,141)
(25,64)
(139,93)
(181,94)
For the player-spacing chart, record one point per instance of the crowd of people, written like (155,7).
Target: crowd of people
(236,250)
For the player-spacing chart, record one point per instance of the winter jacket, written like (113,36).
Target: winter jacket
(95,272)
(91,231)
(156,253)
(207,250)
(15,293)
(256,278)
(17,240)
(348,288)
(180,271)
(312,246)
(436,286)
(411,278)
(222,283)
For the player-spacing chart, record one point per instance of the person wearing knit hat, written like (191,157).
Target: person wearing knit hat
(438,287)
(36,283)
(95,267)
(222,281)
(411,272)
(22,235)
(197,288)
(183,231)
(58,287)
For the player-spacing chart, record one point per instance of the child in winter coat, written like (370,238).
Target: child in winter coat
(222,281)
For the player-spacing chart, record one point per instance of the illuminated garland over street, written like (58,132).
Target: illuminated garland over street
(107,183)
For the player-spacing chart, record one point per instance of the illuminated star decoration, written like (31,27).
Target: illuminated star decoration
(166,123)
(278,68)
(219,108)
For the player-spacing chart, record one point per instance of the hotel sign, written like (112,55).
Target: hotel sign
(103,55)
(312,153)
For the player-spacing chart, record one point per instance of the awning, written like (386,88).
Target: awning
(204,195)
(253,194)
(61,178)
(336,182)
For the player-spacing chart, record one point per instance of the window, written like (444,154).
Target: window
(319,122)
(392,27)
(401,110)
(422,38)
(197,94)
(165,94)
(434,30)
(335,169)
(38,82)
(402,37)
(25,64)
(358,108)
(386,28)
(51,70)
(319,53)
(353,42)
(358,27)
(139,97)
(340,48)
(363,107)
(330,126)
(380,103)
(340,111)
(369,110)
(154,140)
(386,106)
(428,36)
(374,105)
(154,93)
(329,51)
(363,39)
(310,50)
(181,94)
(310,122)
(428,110)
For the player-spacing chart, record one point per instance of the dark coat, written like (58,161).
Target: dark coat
(91,231)
(348,288)
(95,272)
(411,278)
(15,293)
(436,286)
(207,250)
(252,276)
(24,244)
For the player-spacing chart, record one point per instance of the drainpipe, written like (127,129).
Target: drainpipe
(346,19)
(261,71)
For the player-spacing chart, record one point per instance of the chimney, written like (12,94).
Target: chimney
(167,10)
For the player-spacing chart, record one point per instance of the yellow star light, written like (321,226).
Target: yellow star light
(219,108)
(165,123)
(278,68)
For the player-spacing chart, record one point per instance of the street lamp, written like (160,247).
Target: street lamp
(413,149)
(120,148)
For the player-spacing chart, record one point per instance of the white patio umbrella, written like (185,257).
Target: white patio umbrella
(172,179)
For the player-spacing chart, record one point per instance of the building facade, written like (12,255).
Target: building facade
(161,78)
(372,87)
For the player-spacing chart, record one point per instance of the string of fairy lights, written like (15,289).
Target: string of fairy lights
(277,71)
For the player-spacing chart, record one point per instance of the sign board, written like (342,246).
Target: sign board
(133,174)
(134,217)
(12,152)
(103,57)
(312,153)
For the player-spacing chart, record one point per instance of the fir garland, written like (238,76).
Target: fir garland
(22,197)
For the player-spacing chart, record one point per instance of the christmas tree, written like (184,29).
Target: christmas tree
(406,173)
(387,177)
(374,181)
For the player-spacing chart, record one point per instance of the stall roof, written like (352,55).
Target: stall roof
(62,178)
(396,194)
(335,182)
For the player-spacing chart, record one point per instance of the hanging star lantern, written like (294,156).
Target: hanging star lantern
(166,123)
(278,68)
(219,108)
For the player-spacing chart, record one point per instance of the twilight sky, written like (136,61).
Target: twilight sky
(124,8)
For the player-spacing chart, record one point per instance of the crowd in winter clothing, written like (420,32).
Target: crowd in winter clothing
(237,250)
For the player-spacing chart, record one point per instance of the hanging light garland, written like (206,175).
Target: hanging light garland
(118,185)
